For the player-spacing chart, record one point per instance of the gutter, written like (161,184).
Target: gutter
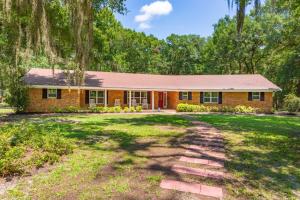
(156,89)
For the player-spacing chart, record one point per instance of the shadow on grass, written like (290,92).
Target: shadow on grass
(93,131)
(264,149)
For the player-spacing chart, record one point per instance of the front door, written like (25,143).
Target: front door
(162,99)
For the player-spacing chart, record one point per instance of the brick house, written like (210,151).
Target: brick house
(48,90)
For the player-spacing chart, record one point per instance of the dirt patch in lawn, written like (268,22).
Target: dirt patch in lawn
(138,172)
(134,170)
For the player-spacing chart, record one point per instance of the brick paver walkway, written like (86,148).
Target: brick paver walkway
(206,149)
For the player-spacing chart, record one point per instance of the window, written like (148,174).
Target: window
(97,97)
(255,95)
(52,93)
(139,96)
(211,97)
(185,95)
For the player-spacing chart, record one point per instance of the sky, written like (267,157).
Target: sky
(164,17)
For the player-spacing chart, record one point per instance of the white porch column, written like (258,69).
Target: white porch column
(129,98)
(105,98)
(152,102)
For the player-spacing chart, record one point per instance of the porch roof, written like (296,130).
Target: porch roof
(37,77)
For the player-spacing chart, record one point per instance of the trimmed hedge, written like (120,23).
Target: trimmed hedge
(201,108)
(116,109)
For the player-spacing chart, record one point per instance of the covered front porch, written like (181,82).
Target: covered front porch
(149,100)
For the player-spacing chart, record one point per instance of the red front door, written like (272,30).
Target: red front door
(160,99)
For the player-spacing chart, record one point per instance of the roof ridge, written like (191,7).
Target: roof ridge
(155,74)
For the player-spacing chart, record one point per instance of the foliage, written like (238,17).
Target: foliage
(28,145)
(292,103)
(126,109)
(67,109)
(139,109)
(183,107)
(132,109)
(17,97)
(244,109)
(61,31)
(241,11)
(268,44)
(115,109)
(97,109)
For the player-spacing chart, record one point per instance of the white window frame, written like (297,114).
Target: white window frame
(51,97)
(140,98)
(210,97)
(257,96)
(185,95)
(97,96)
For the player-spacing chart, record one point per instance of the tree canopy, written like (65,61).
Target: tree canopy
(85,35)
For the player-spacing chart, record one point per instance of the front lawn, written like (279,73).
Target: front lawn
(121,156)
(264,155)
(111,157)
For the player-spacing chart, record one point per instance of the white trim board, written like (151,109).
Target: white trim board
(155,89)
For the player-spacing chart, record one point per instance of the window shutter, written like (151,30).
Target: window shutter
(125,97)
(262,96)
(58,94)
(190,95)
(220,98)
(87,97)
(201,97)
(148,97)
(45,93)
(107,97)
(180,95)
(249,96)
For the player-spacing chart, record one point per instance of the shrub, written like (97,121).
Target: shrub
(213,109)
(28,145)
(201,108)
(139,109)
(183,107)
(70,109)
(11,161)
(57,110)
(117,109)
(126,109)
(244,109)
(97,109)
(292,103)
(226,109)
(17,96)
(110,109)
(132,109)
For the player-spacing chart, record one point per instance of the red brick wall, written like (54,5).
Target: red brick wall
(38,104)
(231,99)
(77,99)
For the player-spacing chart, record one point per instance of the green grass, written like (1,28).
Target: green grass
(4,111)
(264,154)
(107,161)
(104,158)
